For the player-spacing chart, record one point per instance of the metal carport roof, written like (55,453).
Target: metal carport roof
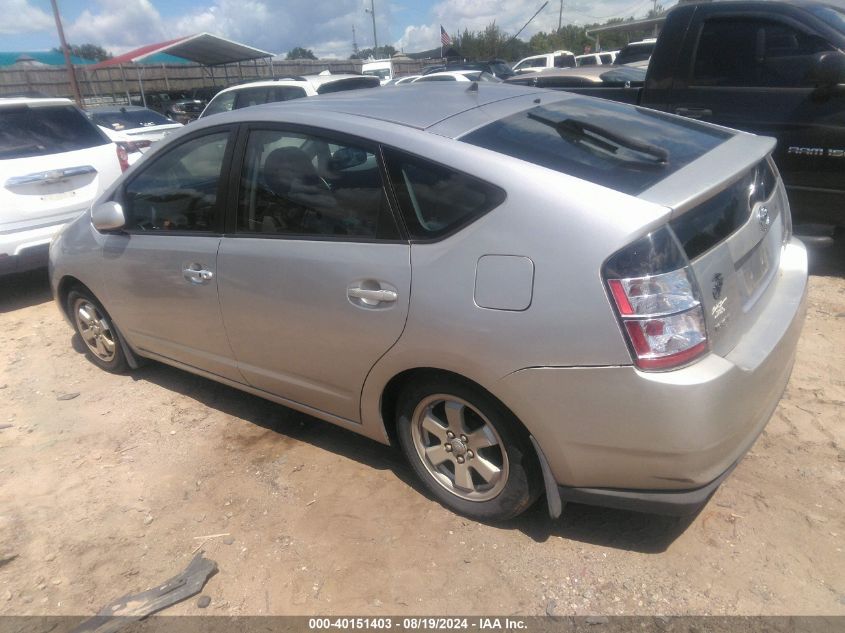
(203,48)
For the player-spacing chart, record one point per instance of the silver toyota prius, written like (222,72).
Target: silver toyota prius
(531,293)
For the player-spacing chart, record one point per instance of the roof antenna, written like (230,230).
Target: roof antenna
(473,87)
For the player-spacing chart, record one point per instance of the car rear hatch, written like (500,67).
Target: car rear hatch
(726,204)
(52,164)
(732,229)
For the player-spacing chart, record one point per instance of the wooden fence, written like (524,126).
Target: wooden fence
(115,84)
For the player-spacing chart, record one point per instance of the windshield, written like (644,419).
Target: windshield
(617,146)
(381,73)
(129,119)
(44,130)
(831,15)
(635,53)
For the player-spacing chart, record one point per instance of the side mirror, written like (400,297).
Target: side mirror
(347,157)
(108,216)
(829,69)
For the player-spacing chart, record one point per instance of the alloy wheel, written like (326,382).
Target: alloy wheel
(459,447)
(95,330)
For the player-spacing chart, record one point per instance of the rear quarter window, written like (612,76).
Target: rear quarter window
(436,200)
(39,131)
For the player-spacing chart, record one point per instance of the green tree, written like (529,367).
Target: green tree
(88,51)
(382,52)
(300,53)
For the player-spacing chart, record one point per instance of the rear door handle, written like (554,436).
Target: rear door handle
(372,296)
(694,113)
(196,274)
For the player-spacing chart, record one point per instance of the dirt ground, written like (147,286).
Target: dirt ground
(108,493)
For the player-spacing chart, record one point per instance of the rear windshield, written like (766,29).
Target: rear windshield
(44,130)
(622,147)
(352,83)
(129,119)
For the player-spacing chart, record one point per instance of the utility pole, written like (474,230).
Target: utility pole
(71,74)
(560,16)
(372,12)
(354,41)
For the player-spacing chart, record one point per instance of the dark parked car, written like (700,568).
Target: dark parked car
(622,77)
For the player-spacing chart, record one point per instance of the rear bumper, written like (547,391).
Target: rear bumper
(29,258)
(620,437)
(670,502)
(26,248)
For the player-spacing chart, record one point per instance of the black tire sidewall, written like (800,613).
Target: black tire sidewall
(118,363)
(524,478)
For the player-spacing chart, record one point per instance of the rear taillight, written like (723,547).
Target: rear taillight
(122,157)
(656,298)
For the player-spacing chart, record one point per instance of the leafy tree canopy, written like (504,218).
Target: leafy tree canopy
(88,51)
(300,53)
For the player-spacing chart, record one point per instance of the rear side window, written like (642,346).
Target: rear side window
(755,52)
(39,131)
(436,200)
(617,146)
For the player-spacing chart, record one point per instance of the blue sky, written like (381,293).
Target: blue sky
(278,25)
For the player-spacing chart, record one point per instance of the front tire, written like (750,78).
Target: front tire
(467,448)
(95,328)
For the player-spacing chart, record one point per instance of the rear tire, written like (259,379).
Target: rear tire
(467,448)
(95,328)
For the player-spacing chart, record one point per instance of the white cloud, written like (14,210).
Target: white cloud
(325,26)
(322,25)
(21,17)
(511,15)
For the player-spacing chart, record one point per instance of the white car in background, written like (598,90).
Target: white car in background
(596,59)
(407,79)
(457,75)
(284,89)
(54,163)
(536,63)
(132,127)
(381,68)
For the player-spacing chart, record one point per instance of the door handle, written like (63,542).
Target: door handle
(197,275)
(694,113)
(372,296)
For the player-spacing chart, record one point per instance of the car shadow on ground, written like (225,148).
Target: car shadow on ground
(599,526)
(23,290)
(828,261)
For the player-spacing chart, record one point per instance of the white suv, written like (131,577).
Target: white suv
(54,163)
(284,89)
(536,63)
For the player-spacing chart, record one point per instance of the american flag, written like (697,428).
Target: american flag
(444,37)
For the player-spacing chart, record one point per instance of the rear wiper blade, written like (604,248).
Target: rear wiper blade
(607,140)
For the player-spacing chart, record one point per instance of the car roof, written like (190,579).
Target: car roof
(315,81)
(411,106)
(34,101)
